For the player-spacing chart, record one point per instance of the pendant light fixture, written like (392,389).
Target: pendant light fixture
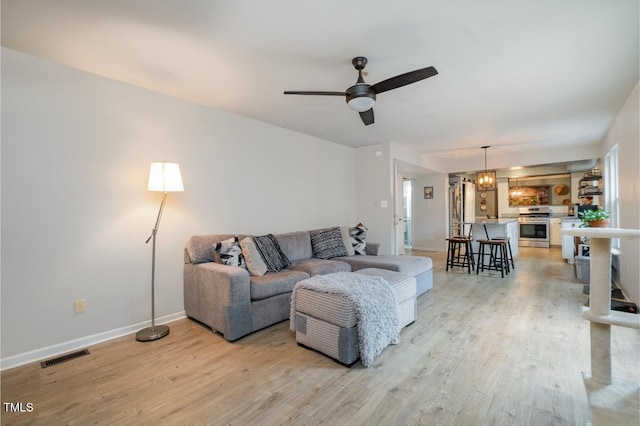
(486,181)
(516,191)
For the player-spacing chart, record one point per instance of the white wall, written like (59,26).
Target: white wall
(374,180)
(625,132)
(75,210)
(430,219)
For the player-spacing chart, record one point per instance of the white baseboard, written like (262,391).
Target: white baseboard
(429,248)
(72,345)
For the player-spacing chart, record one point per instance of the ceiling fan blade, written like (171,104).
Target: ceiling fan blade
(293,92)
(367,116)
(404,79)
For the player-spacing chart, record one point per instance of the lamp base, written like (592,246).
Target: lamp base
(152,333)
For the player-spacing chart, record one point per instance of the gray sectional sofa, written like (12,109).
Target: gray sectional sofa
(235,303)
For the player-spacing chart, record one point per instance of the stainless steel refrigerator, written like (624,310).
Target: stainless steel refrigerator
(462,206)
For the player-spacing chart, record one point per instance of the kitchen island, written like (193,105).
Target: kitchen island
(496,228)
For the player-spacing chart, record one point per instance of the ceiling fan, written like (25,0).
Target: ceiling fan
(361,96)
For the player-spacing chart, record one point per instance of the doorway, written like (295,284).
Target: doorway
(406,213)
(403,216)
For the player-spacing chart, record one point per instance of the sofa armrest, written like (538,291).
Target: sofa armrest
(217,295)
(230,284)
(372,248)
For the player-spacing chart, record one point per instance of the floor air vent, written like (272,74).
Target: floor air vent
(64,358)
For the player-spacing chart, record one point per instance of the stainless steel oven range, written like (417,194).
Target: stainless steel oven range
(533,224)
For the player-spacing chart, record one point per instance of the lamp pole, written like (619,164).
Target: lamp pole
(154,332)
(164,177)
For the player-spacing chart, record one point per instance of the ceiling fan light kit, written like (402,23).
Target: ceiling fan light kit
(361,96)
(361,103)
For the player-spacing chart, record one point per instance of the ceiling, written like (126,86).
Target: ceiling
(512,74)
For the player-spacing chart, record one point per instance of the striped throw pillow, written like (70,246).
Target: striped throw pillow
(253,259)
(328,244)
(271,253)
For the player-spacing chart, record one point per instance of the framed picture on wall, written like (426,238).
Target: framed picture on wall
(428,192)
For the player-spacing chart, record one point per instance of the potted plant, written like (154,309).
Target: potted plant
(594,218)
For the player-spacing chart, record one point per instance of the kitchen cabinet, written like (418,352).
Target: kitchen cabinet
(568,245)
(513,234)
(555,231)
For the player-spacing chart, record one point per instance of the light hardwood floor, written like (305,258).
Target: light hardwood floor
(484,351)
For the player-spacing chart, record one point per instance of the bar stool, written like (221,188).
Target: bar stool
(509,252)
(497,256)
(460,252)
(512,264)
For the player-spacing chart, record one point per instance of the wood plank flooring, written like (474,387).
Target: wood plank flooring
(484,351)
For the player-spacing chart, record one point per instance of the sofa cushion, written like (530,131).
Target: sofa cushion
(295,245)
(410,265)
(272,284)
(271,252)
(229,252)
(327,244)
(315,266)
(358,240)
(255,264)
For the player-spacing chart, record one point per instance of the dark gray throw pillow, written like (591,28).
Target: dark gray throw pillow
(328,244)
(271,253)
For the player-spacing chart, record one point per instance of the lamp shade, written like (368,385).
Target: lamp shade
(486,181)
(361,103)
(165,177)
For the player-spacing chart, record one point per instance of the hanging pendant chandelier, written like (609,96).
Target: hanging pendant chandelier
(516,191)
(486,180)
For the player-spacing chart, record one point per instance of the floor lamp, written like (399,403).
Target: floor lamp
(163,177)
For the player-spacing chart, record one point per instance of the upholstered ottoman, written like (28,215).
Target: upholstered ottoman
(419,267)
(327,322)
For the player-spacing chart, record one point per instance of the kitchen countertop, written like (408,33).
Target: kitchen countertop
(500,221)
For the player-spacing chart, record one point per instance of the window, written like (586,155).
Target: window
(611,198)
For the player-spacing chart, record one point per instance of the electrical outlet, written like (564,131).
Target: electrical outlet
(79,306)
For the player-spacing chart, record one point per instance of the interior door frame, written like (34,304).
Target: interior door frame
(398,220)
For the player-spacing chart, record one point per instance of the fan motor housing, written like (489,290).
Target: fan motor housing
(359,91)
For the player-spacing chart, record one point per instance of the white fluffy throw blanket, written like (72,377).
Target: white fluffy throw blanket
(374,302)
